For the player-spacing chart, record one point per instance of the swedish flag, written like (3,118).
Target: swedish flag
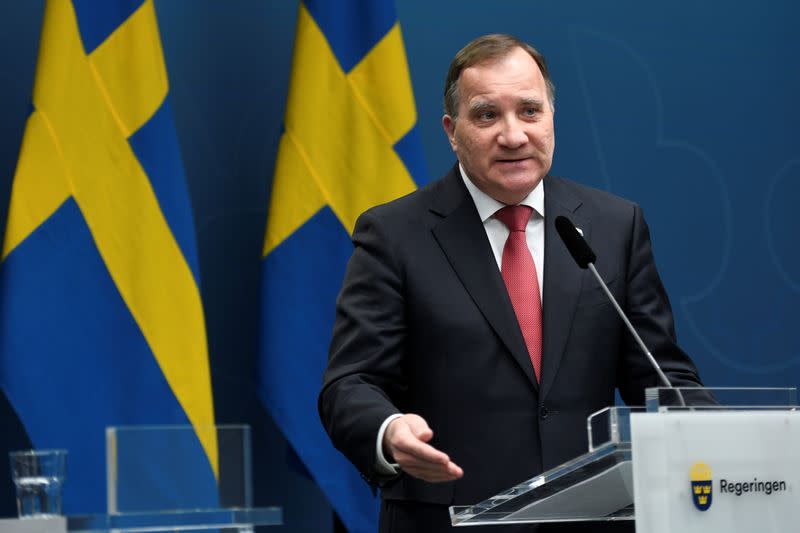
(349,143)
(101,321)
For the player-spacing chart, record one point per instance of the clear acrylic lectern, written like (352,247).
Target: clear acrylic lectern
(178,478)
(598,486)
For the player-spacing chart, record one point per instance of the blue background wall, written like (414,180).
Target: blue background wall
(688,108)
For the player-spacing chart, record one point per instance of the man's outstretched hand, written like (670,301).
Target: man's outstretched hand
(406,440)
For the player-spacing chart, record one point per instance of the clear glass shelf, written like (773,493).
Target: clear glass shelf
(595,486)
(181,520)
(162,468)
(663,399)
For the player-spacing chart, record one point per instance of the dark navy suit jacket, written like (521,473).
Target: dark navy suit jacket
(424,325)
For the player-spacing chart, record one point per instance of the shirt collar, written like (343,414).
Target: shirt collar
(488,206)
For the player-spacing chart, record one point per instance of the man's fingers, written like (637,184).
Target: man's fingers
(427,470)
(419,428)
(450,473)
(422,451)
(437,478)
(427,475)
(454,470)
(408,460)
(409,434)
(407,438)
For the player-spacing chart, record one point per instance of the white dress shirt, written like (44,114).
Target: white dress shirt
(497,233)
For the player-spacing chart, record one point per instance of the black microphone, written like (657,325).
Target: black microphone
(575,243)
(583,254)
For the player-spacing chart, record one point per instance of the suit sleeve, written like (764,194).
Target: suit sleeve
(648,309)
(364,378)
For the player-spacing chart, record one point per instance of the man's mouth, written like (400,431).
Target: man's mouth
(512,160)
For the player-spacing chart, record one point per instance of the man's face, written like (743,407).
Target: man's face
(503,135)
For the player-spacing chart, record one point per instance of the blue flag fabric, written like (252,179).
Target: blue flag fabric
(350,143)
(101,322)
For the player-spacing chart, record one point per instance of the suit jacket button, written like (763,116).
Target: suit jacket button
(543,412)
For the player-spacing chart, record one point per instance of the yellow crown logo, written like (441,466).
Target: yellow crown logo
(702,492)
(700,472)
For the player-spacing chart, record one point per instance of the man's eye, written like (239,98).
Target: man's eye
(530,111)
(487,115)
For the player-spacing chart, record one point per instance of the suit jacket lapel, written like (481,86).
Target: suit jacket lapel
(562,279)
(462,238)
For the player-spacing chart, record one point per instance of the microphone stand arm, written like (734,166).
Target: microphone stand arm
(636,336)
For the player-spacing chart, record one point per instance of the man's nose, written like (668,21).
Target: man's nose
(512,134)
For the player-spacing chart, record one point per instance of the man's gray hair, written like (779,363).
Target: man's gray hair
(494,46)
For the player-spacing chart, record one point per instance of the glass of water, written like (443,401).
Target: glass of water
(38,476)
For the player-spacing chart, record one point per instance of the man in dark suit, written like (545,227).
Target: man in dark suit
(469,349)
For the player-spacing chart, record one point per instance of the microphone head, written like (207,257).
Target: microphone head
(575,243)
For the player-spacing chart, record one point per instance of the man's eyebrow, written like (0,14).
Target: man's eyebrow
(480,106)
(532,102)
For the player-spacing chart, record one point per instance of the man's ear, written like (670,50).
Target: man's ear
(449,125)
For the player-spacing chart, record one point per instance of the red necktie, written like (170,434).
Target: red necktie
(519,274)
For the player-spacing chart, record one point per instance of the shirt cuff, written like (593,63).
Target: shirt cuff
(381,464)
